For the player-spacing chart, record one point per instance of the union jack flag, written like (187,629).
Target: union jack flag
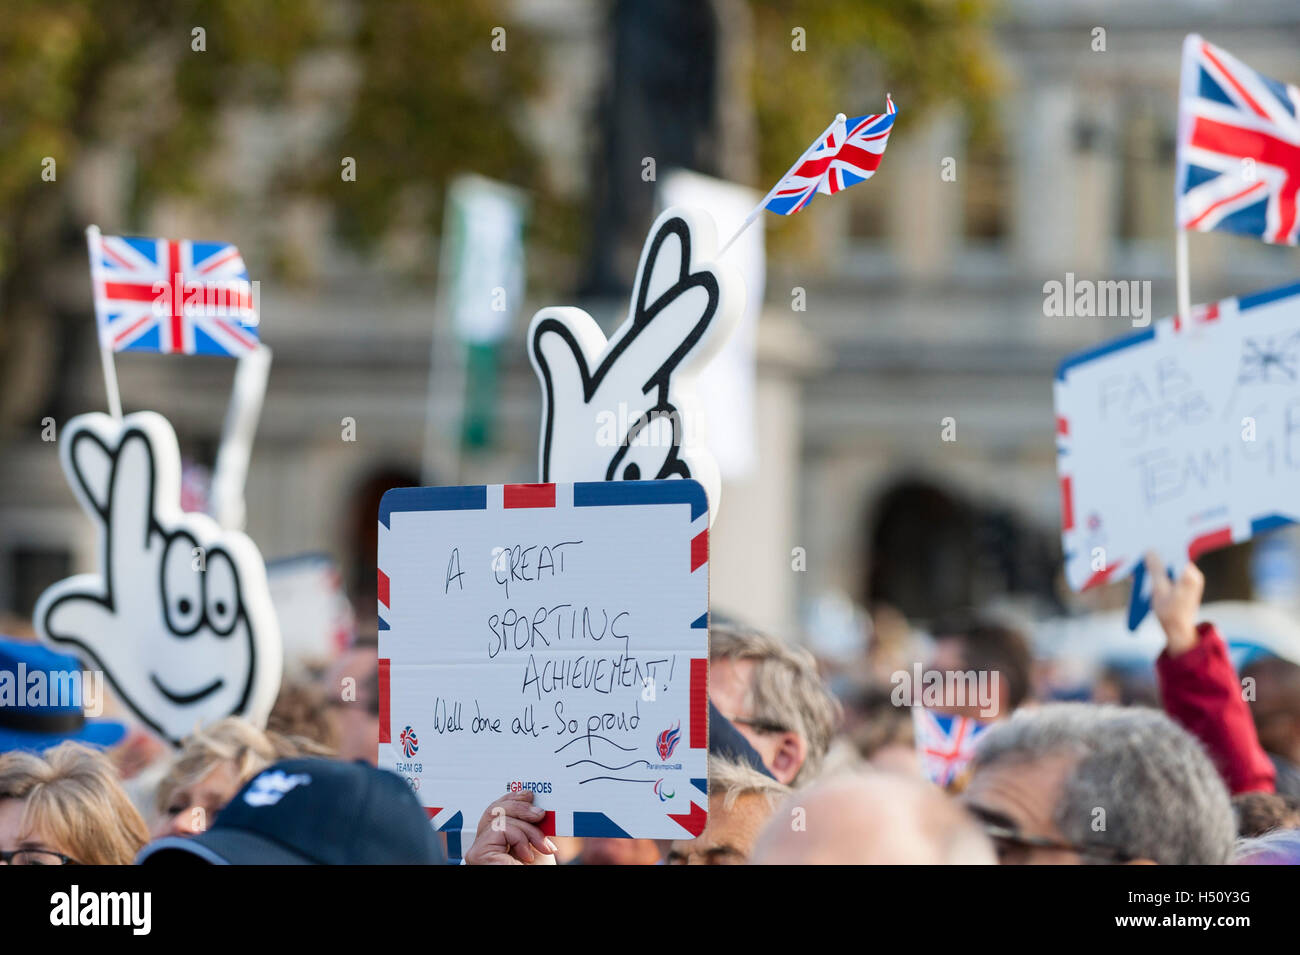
(847,154)
(172,296)
(1238,147)
(945,743)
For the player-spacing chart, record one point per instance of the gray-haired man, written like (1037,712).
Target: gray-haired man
(772,693)
(1081,783)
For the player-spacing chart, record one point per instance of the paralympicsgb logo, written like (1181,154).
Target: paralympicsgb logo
(410,744)
(667,741)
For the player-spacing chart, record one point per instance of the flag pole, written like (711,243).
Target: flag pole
(1187,83)
(93,241)
(1180,275)
(758,209)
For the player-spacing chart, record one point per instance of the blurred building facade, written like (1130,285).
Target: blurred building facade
(935,309)
(924,302)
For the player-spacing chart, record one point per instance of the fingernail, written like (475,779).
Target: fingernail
(552,846)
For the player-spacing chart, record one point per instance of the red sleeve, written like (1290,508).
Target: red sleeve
(1201,691)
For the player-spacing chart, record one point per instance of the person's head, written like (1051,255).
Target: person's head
(872,819)
(1079,782)
(1279,847)
(66,806)
(740,801)
(70,709)
(302,713)
(979,645)
(774,696)
(1276,706)
(352,695)
(207,772)
(883,733)
(311,812)
(1260,812)
(619,852)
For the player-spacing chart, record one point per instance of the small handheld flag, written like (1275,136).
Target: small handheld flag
(847,153)
(171,296)
(945,743)
(1238,148)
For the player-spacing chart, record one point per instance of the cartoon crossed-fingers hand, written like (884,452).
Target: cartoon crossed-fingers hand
(179,618)
(640,382)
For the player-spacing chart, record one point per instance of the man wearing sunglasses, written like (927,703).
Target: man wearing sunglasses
(1080,783)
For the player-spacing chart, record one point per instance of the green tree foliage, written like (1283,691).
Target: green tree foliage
(76,75)
(431,98)
(924,52)
(80,73)
(435,100)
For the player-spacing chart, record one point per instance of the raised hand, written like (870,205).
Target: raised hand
(180,617)
(1176,602)
(622,409)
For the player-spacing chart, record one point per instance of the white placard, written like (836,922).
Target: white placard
(315,615)
(1181,438)
(551,637)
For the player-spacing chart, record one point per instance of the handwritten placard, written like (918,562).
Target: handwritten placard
(550,637)
(1182,438)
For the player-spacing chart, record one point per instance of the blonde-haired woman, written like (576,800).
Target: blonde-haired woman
(66,807)
(211,767)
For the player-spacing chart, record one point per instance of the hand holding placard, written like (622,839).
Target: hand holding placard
(508,833)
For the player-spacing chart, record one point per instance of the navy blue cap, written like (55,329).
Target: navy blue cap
(729,743)
(24,726)
(312,812)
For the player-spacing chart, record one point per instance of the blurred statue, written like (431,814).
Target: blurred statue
(659,112)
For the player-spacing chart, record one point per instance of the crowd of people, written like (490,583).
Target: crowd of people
(797,774)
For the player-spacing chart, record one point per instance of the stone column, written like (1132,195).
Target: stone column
(750,545)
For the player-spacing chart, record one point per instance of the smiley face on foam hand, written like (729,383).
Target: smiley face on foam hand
(180,619)
(684,307)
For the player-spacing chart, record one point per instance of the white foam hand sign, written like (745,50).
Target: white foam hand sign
(623,409)
(180,618)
